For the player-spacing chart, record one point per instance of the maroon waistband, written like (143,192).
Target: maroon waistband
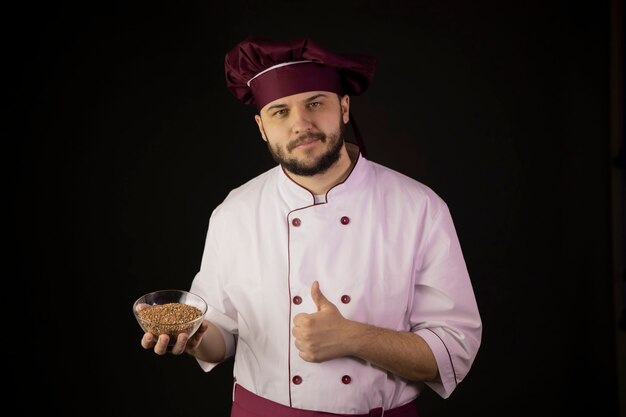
(248,404)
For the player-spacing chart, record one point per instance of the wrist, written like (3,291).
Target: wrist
(355,338)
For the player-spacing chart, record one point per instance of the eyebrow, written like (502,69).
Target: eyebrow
(282,105)
(275,106)
(315,97)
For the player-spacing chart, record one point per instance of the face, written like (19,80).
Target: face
(304,132)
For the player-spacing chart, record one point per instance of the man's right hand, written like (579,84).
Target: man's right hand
(183,344)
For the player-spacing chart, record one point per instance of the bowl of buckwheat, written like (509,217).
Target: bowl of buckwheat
(170,312)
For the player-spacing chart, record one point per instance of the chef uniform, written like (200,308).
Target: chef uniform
(382,246)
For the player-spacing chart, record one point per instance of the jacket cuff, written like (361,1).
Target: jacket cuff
(447,381)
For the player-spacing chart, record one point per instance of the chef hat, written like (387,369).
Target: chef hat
(259,71)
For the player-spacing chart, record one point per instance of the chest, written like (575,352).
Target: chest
(363,257)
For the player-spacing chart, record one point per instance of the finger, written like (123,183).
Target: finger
(297,344)
(302,320)
(204,326)
(147,341)
(161,346)
(318,298)
(195,340)
(142,306)
(295,331)
(180,345)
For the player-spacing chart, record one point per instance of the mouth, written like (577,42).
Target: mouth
(307,141)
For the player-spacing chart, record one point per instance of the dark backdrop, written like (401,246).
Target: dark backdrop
(126,139)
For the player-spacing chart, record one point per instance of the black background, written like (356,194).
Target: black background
(125,138)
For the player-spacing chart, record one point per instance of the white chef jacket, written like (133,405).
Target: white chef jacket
(384,250)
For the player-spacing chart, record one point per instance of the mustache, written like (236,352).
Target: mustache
(304,137)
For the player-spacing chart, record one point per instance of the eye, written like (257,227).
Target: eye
(314,104)
(279,113)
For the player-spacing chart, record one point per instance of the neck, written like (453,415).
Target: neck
(320,184)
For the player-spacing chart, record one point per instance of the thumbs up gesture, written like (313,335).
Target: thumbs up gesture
(322,335)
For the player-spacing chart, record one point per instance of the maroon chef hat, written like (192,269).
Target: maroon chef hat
(259,71)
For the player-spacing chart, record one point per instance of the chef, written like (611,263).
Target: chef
(338,284)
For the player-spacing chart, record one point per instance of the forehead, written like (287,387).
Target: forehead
(298,98)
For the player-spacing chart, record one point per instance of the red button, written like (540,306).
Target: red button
(345,299)
(297,299)
(297,379)
(345,220)
(346,379)
(296,222)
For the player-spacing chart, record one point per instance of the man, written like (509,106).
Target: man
(338,284)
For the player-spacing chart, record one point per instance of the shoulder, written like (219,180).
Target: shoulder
(240,198)
(390,181)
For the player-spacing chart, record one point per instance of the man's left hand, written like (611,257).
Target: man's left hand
(320,336)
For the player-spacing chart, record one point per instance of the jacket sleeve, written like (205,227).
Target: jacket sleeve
(444,310)
(208,284)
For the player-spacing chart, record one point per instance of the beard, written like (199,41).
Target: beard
(320,164)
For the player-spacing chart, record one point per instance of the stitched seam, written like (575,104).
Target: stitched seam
(456,383)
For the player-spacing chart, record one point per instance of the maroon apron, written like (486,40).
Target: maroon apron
(247,404)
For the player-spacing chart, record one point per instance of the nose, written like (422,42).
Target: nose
(301,121)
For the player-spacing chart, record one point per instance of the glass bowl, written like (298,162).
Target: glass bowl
(170,312)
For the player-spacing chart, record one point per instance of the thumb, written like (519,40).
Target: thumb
(318,298)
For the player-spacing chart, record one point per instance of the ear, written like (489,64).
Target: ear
(345,108)
(259,123)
